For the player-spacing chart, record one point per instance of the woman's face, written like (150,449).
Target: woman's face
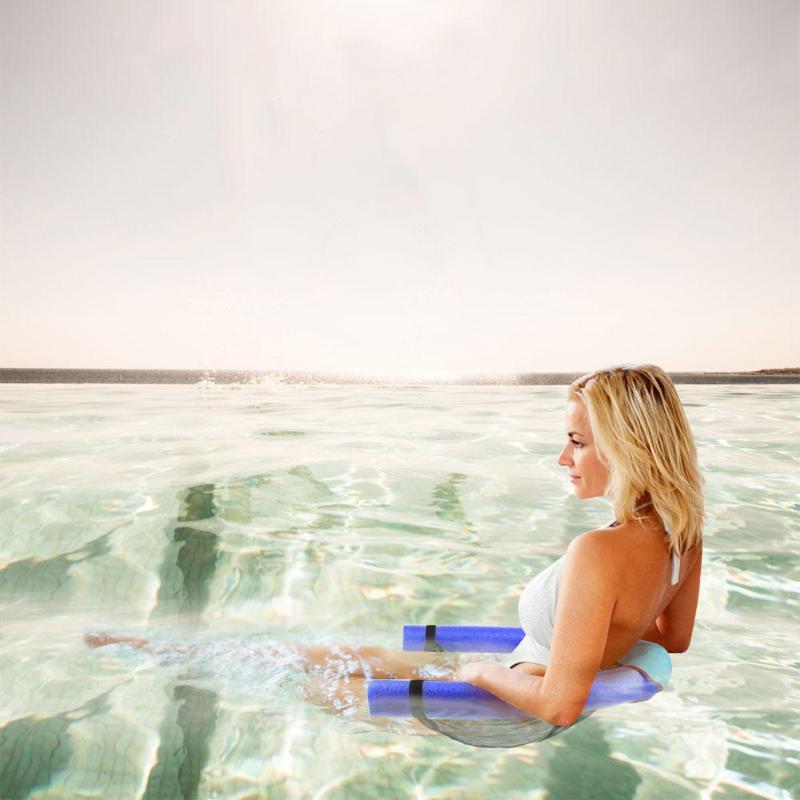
(588,473)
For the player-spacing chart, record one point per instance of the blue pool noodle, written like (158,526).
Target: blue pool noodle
(461,638)
(647,668)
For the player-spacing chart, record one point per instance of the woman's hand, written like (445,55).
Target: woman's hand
(471,673)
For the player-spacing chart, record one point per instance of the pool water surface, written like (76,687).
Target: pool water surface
(228,524)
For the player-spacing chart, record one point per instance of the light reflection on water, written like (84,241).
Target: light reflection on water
(229,524)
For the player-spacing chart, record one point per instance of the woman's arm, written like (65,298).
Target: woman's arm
(672,629)
(585,604)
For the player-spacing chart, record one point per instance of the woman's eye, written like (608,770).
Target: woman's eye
(576,444)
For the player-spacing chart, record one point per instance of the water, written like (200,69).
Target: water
(228,524)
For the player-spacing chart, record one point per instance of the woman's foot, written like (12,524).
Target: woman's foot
(101,639)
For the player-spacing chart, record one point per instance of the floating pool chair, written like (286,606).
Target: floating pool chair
(646,669)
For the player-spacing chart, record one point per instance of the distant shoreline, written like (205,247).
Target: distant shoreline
(212,377)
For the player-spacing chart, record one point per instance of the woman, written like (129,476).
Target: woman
(639,578)
(627,438)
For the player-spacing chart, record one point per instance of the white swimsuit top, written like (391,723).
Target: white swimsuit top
(537,609)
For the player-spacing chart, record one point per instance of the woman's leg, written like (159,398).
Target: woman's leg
(377,662)
(360,662)
(341,684)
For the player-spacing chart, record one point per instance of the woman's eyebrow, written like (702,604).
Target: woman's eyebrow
(575,433)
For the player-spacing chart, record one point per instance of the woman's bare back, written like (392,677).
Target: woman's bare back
(638,561)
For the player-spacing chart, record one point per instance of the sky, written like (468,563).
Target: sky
(399,188)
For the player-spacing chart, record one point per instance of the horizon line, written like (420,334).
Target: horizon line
(167,376)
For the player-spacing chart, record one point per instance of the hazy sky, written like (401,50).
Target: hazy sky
(400,187)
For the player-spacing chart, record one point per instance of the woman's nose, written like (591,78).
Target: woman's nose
(564,457)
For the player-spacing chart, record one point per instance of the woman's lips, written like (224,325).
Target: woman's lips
(574,478)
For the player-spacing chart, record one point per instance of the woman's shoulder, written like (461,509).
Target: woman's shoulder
(609,547)
(601,538)
(594,548)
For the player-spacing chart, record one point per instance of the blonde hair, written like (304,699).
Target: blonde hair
(641,432)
